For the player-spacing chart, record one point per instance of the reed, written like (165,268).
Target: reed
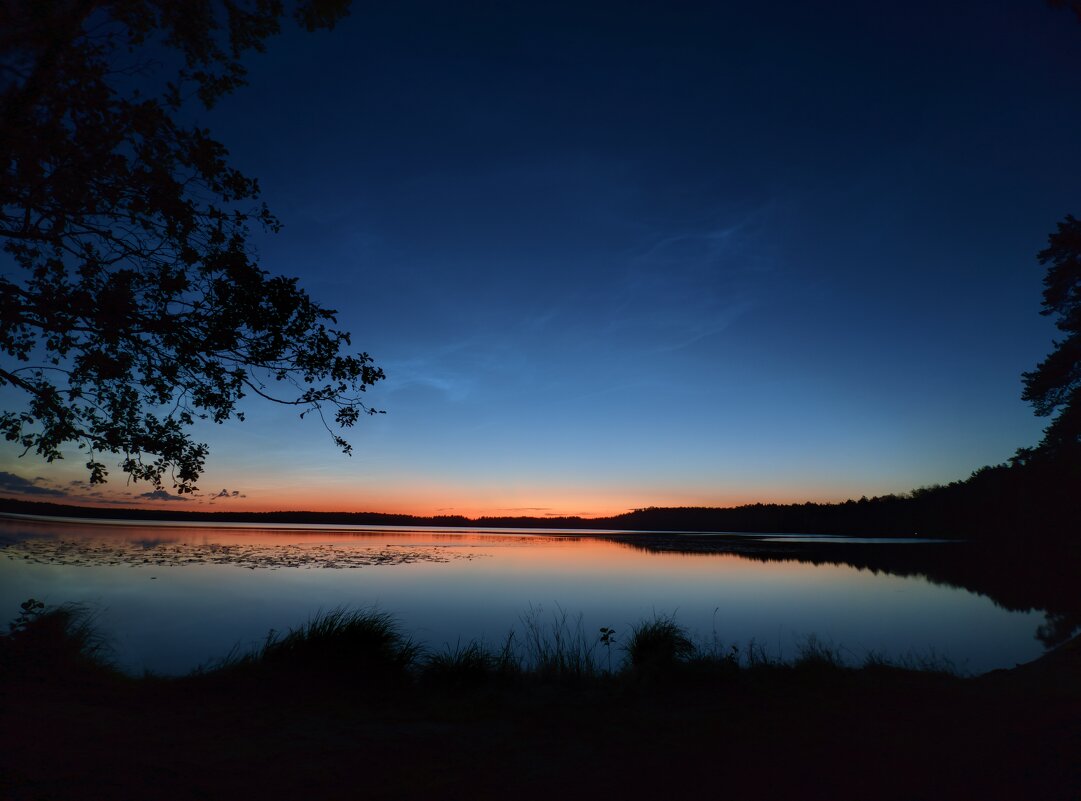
(557,646)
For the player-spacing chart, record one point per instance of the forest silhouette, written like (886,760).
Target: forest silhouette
(1033,500)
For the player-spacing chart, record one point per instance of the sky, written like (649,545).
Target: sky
(617,255)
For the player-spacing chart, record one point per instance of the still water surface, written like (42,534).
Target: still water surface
(172,598)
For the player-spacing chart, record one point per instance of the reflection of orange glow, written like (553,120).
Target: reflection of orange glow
(503,553)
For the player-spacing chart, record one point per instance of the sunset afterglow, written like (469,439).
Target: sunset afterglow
(640,264)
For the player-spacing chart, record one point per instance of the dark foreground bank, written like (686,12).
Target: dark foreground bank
(346,708)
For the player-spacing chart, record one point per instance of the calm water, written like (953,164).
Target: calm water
(172,598)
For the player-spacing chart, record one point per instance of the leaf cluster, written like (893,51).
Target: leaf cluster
(1055,385)
(132,303)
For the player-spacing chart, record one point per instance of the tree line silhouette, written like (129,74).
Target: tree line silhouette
(1037,499)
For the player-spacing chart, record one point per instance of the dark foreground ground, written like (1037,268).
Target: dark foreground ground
(815,731)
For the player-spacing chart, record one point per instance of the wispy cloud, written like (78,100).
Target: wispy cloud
(682,286)
(439,370)
(161,495)
(9,482)
(226,495)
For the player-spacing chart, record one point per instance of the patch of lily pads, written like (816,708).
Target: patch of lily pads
(250,555)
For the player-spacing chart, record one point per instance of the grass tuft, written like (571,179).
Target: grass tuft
(62,641)
(347,642)
(930,661)
(658,644)
(466,665)
(815,654)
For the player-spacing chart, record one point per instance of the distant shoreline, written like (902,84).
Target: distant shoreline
(757,519)
(702,537)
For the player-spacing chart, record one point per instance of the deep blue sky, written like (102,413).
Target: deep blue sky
(615,255)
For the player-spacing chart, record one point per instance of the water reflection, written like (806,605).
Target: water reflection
(148,543)
(1023,578)
(216,588)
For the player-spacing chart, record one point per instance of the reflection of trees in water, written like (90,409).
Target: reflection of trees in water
(1022,579)
(148,544)
(1058,628)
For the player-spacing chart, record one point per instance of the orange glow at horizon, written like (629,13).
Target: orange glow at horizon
(431,501)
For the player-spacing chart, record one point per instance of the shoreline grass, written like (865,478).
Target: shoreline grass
(552,647)
(55,642)
(347,706)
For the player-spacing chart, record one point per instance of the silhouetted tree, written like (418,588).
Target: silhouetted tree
(1055,385)
(131,301)
(1072,5)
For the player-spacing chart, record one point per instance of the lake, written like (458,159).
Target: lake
(171,598)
